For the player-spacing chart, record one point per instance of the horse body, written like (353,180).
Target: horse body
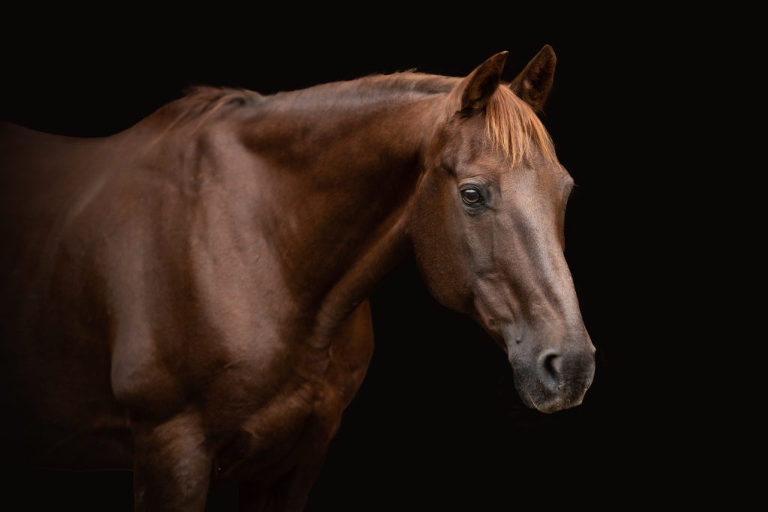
(182,301)
(55,352)
(198,316)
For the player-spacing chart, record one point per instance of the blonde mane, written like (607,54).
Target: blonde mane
(512,127)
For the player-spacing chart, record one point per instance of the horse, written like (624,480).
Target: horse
(189,298)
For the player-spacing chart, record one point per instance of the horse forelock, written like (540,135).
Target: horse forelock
(513,127)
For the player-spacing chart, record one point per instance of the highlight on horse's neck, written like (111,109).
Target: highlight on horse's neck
(346,153)
(365,157)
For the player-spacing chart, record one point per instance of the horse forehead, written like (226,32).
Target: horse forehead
(544,186)
(540,171)
(534,170)
(478,151)
(470,152)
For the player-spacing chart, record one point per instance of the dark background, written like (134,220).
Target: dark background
(437,424)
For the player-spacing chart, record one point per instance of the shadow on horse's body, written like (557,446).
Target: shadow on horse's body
(188,298)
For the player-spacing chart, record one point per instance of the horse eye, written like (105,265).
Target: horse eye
(471,197)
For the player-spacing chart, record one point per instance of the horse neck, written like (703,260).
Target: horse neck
(344,169)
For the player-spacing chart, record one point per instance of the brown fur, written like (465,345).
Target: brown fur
(189,298)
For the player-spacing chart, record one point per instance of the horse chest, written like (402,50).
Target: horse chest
(298,421)
(293,426)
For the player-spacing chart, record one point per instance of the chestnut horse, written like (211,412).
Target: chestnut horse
(189,298)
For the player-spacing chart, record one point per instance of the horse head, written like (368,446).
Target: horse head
(487,229)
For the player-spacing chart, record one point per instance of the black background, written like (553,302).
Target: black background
(437,424)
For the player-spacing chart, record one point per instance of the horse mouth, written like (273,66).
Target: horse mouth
(549,405)
(538,391)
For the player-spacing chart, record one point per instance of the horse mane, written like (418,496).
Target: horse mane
(201,99)
(511,125)
(201,103)
(410,82)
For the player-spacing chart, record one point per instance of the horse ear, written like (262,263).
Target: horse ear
(477,88)
(532,85)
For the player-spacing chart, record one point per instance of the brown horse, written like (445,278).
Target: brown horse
(188,298)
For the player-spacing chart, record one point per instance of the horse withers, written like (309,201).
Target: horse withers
(189,298)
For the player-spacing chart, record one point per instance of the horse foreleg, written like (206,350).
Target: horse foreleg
(171,466)
(288,494)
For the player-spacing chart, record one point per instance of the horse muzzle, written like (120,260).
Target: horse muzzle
(553,378)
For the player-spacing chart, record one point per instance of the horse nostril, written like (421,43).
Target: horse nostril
(551,367)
